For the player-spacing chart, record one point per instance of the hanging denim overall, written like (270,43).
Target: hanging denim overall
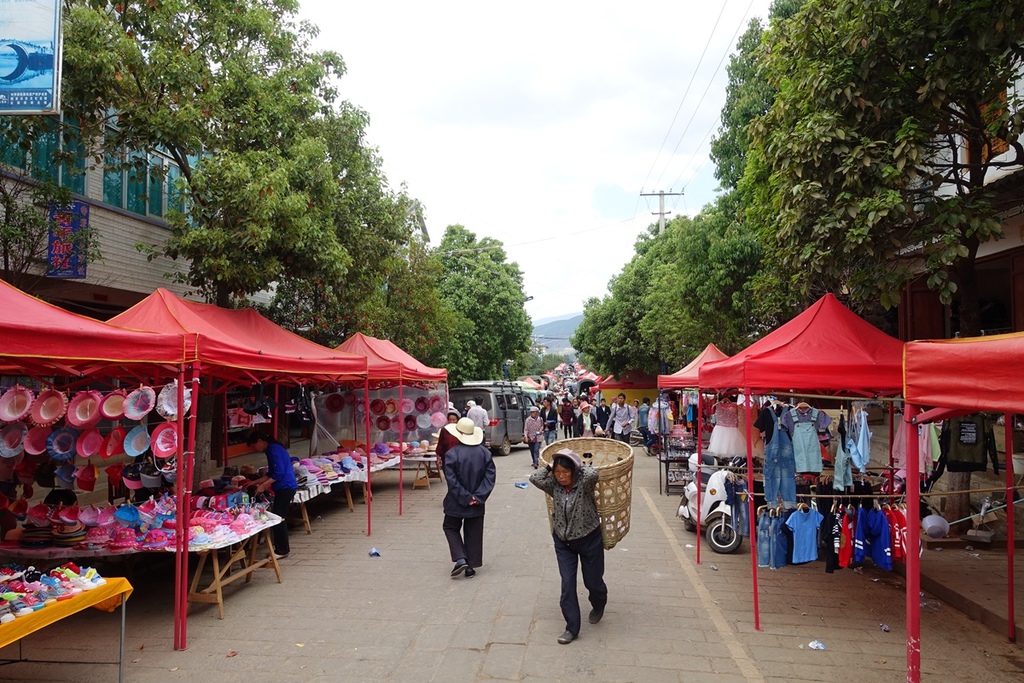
(764,539)
(806,447)
(736,498)
(779,467)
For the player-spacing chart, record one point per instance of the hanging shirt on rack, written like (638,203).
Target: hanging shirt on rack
(858,444)
(849,521)
(872,538)
(966,443)
(806,446)
(804,525)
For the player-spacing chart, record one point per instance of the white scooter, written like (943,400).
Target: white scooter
(715,513)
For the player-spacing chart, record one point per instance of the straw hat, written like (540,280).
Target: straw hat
(466,431)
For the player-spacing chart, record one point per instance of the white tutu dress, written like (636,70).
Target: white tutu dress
(726,437)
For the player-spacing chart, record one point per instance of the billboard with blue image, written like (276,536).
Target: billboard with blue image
(30,43)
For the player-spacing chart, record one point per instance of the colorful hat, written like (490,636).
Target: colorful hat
(49,407)
(38,514)
(350,398)
(90,514)
(35,440)
(360,407)
(377,406)
(422,404)
(150,476)
(436,404)
(407,406)
(157,539)
(124,538)
(16,403)
(114,474)
(438,419)
(85,476)
(131,476)
(164,441)
(113,443)
(137,441)
(65,476)
(112,405)
(139,403)
(334,402)
(410,423)
(383,423)
(25,471)
(60,444)
(167,401)
(391,406)
(19,509)
(89,443)
(84,409)
(12,439)
(423,421)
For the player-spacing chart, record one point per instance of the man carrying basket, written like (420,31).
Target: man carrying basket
(577,536)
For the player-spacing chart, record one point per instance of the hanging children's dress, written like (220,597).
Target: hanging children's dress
(726,438)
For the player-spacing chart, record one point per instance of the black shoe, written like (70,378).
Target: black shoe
(566,638)
(595,615)
(460,567)
(470,572)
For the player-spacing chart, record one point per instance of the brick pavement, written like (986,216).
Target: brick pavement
(341,615)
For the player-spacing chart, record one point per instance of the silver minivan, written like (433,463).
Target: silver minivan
(507,408)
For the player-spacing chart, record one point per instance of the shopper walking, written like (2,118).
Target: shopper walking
(445,439)
(550,417)
(470,474)
(568,415)
(477,413)
(577,536)
(281,480)
(642,413)
(621,419)
(603,411)
(586,424)
(533,432)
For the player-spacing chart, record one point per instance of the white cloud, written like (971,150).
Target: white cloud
(538,124)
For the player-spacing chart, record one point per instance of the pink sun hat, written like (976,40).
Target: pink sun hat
(49,407)
(16,404)
(89,443)
(407,406)
(438,419)
(139,403)
(84,409)
(35,440)
(164,440)
(112,405)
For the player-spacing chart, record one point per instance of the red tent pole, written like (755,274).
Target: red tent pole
(913,565)
(1010,616)
(700,458)
(369,456)
(401,444)
(890,475)
(180,528)
(750,498)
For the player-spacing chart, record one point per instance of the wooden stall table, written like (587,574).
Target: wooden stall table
(426,469)
(303,496)
(240,551)
(106,597)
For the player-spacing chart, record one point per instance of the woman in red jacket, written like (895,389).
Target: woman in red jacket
(568,416)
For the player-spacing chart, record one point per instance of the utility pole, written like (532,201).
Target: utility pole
(661,206)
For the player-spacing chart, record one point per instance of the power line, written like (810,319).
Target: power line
(693,77)
(710,83)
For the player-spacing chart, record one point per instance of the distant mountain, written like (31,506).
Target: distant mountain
(555,334)
(553,318)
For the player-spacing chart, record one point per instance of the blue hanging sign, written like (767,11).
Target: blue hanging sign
(30,56)
(65,252)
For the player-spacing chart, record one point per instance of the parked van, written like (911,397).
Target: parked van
(507,407)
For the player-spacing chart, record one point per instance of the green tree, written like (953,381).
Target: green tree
(872,164)
(485,292)
(233,93)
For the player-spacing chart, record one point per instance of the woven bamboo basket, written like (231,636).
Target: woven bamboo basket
(613,461)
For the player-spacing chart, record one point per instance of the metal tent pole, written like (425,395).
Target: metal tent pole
(913,565)
(1010,537)
(750,510)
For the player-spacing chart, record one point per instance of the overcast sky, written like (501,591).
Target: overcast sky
(539,123)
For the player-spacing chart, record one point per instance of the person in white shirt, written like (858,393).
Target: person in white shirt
(621,420)
(477,414)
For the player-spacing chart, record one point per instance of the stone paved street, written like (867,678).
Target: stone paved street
(341,615)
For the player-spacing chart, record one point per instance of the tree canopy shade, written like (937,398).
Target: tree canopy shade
(826,348)
(873,162)
(486,293)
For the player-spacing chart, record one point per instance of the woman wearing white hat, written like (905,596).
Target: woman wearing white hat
(470,474)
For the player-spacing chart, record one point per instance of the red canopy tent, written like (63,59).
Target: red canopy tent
(826,349)
(958,376)
(387,362)
(39,339)
(688,377)
(238,346)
